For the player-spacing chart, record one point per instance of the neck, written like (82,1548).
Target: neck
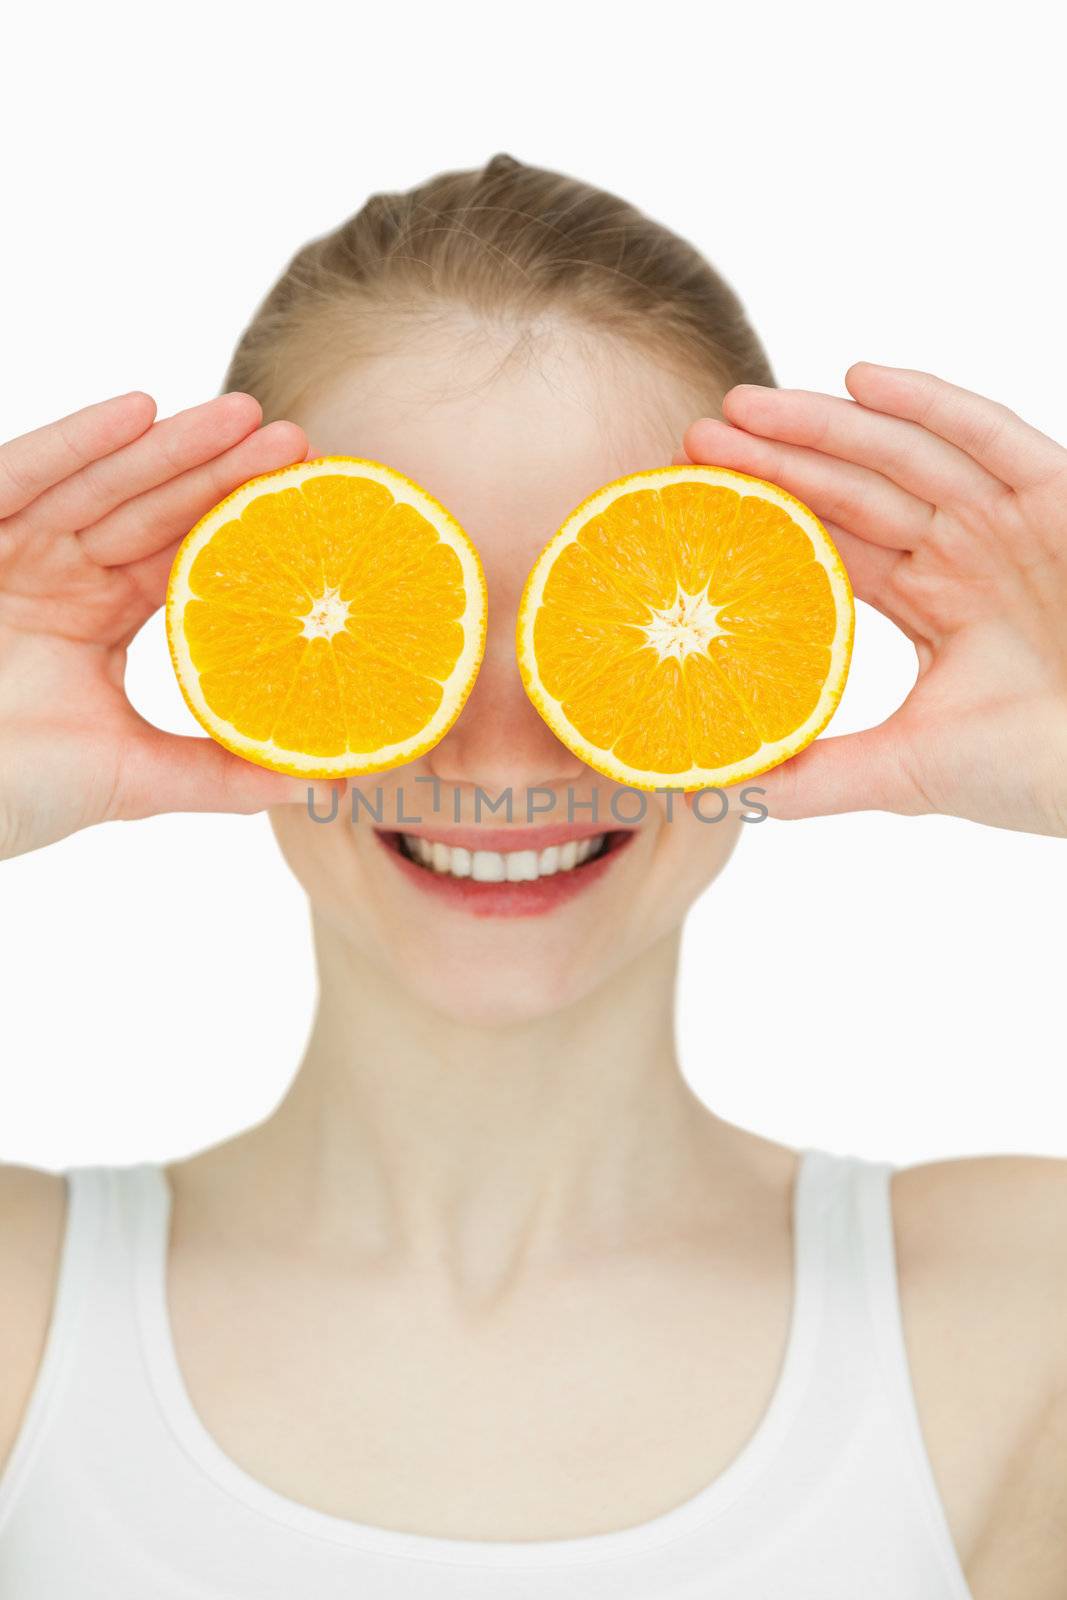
(472,1147)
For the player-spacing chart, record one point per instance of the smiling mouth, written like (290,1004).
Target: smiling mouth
(504,866)
(506,882)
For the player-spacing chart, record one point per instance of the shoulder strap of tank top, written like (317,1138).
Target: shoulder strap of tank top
(813,1191)
(88,1193)
(873,1190)
(91,1347)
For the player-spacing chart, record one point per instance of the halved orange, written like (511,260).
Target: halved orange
(687,627)
(327,619)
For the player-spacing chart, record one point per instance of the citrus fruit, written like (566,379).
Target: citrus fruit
(687,627)
(327,619)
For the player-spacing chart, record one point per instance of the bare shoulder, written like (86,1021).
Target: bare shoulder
(981,1248)
(32,1212)
(992,1229)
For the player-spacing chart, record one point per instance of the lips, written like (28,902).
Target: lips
(506,872)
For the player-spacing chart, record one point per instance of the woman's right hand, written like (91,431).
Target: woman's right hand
(92,510)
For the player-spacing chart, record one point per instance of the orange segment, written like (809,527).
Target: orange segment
(222,637)
(576,649)
(687,627)
(658,735)
(633,523)
(701,518)
(312,715)
(251,695)
(606,705)
(383,706)
(778,682)
(578,579)
(239,568)
(799,604)
(764,544)
(347,514)
(722,731)
(327,619)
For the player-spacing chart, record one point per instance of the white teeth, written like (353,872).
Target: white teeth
(522,865)
(495,866)
(487,866)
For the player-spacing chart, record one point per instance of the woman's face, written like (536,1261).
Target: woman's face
(510,439)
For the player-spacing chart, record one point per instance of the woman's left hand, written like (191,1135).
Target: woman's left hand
(950,513)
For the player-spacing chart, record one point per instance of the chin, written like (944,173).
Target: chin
(500,927)
(485,987)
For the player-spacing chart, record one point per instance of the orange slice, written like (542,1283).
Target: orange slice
(327,619)
(686,628)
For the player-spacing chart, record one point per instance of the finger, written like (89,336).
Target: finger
(149,578)
(904,452)
(141,527)
(851,772)
(874,574)
(866,503)
(166,450)
(32,463)
(178,772)
(994,437)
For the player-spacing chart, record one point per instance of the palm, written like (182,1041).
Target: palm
(91,511)
(950,513)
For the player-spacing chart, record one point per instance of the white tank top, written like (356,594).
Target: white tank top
(116,1491)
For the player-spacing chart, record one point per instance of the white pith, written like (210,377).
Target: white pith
(323,619)
(501,866)
(684,627)
(327,615)
(665,631)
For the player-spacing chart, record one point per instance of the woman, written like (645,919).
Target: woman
(492,1304)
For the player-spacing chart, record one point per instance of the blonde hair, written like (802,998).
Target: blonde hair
(506,242)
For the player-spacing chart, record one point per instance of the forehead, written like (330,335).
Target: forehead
(510,428)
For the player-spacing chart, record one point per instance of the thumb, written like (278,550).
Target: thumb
(177,772)
(849,772)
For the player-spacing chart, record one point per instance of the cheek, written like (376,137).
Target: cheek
(321,858)
(693,849)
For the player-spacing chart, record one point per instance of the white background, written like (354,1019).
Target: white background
(877,183)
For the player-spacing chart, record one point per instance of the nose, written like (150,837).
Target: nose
(499,741)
